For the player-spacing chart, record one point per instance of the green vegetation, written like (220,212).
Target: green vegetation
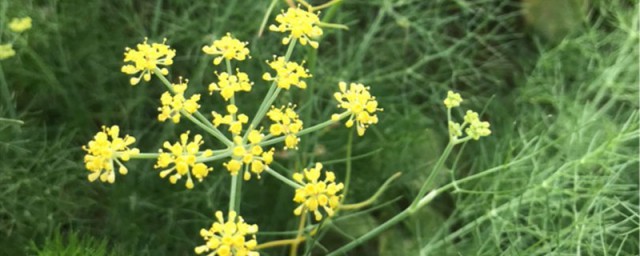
(563,112)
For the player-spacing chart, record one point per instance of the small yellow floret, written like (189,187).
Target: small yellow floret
(476,127)
(106,148)
(172,105)
(287,73)
(302,24)
(184,157)
(359,103)
(315,194)
(250,154)
(19,25)
(6,51)
(453,99)
(287,123)
(146,59)
(228,85)
(228,48)
(230,237)
(233,119)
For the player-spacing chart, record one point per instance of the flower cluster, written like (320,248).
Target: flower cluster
(17,26)
(302,24)
(288,73)
(360,106)
(316,193)
(6,51)
(184,157)
(287,123)
(20,25)
(453,100)
(173,105)
(230,237)
(233,119)
(476,127)
(472,126)
(228,48)
(146,59)
(229,84)
(106,148)
(251,155)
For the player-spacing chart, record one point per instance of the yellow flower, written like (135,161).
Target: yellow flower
(287,73)
(231,237)
(19,25)
(287,123)
(105,148)
(455,129)
(146,59)
(359,104)
(228,48)
(6,51)
(172,105)
(476,128)
(184,157)
(453,99)
(250,154)
(228,85)
(302,24)
(233,120)
(316,193)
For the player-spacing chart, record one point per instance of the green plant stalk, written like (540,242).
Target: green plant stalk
(203,121)
(294,246)
(311,129)
(374,197)
(347,177)
(224,154)
(211,131)
(269,98)
(230,72)
(434,172)
(234,189)
(373,233)
(282,178)
(420,202)
(263,24)
(4,90)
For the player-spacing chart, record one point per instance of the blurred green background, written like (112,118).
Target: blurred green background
(558,80)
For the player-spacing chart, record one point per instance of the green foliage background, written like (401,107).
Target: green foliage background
(563,108)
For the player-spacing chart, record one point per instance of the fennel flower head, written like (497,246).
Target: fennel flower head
(251,154)
(360,105)
(20,25)
(227,48)
(146,59)
(106,148)
(185,156)
(315,193)
(230,237)
(173,104)
(302,25)
(6,51)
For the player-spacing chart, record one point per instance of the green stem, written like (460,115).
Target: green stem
(145,156)
(232,196)
(283,178)
(225,153)
(311,129)
(347,178)
(434,173)
(4,90)
(211,131)
(373,233)
(203,123)
(270,97)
